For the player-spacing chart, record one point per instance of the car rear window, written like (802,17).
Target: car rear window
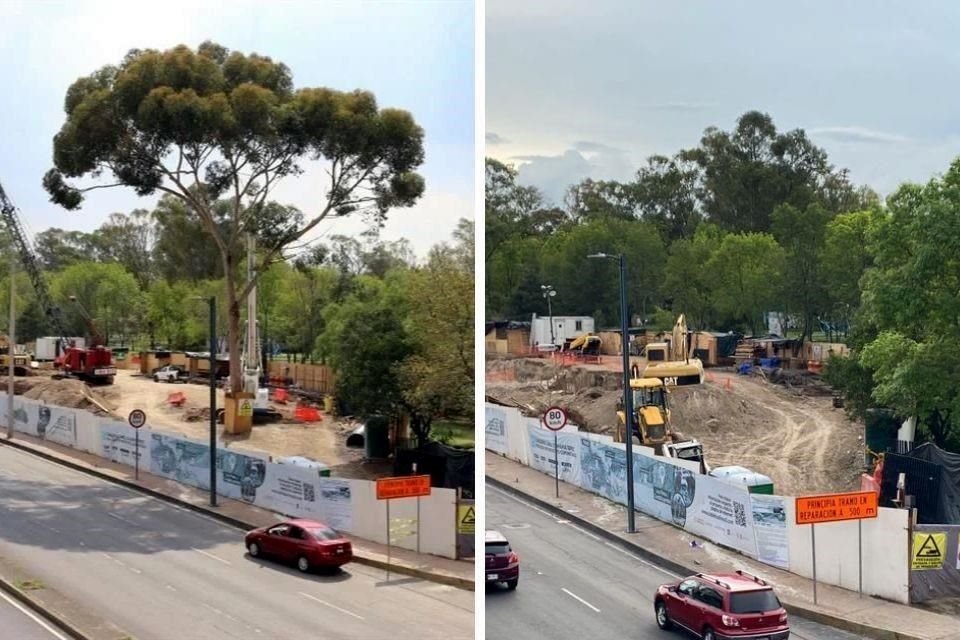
(754,601)
(498,548)
(324,533)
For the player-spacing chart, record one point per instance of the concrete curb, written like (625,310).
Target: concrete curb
(37,607)
(670,565)
(454,581)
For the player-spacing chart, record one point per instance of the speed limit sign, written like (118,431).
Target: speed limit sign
(555,418)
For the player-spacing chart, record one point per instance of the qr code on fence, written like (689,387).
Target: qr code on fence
(739,514)
(309,493)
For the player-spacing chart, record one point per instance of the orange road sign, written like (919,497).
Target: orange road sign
(834,507)
(403,487)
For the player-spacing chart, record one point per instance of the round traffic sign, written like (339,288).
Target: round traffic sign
(555,418)
(137,418)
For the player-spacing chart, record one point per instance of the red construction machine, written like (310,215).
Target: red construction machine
(92,364)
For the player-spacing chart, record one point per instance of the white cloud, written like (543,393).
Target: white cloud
(495,138)
(857,135)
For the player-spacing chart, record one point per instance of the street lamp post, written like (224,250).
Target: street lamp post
(627,396)
(212,302)
(549,293)
(213,401)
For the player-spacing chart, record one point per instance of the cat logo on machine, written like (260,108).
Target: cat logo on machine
(928,549)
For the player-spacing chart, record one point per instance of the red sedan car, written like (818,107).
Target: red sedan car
(722,606)
(307,542)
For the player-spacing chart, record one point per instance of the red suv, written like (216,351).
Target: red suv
(725,605)
(503,564)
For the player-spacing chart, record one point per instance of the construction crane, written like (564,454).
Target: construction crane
(29,261)
(94,365)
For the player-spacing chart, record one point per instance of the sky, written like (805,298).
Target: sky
(591,89)
(412,54)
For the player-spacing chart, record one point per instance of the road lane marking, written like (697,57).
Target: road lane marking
(171,587)
(37,619)
(210,555)
(583,531)
(641,560)
(579,599)
(332,606)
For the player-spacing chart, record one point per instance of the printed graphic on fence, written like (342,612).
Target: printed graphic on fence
(179,459)
(335,505)
(542,457)
(928,550)
(118,443)
(496,430)
(770,526)
(240,475)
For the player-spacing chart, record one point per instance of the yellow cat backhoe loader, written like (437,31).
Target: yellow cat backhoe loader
(671,361)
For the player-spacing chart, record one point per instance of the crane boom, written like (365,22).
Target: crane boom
(12,221)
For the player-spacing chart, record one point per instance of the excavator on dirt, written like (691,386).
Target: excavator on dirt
(651,422)
(585,345)
(671,361)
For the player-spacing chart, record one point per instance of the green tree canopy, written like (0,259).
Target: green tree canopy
(206,124)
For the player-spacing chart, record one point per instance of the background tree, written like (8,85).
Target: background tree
(128,240)
(205,124)
(747,277)
(801,234)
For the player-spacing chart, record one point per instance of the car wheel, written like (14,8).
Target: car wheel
(512,584)
(254,549)
(156,378)
(663,620)
(708,634)
(303,564)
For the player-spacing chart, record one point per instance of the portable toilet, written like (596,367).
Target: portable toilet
(753,481)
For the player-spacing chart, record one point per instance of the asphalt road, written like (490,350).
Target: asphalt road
(576,585)
(160,572)
(16,621)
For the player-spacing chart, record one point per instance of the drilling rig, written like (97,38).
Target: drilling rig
(94,364)
(252,364)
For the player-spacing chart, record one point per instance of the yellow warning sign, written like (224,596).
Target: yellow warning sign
(928,550)
(466,519)
(246,408)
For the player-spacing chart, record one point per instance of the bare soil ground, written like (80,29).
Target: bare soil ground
(796,438)
(323,441)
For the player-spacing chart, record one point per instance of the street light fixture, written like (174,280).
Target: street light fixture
(627,396)
(212,301)
(549,293)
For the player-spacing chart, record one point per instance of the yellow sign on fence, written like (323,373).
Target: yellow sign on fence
(928,550)
(466,519)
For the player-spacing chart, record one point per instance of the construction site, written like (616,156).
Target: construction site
(779,423)
(273,414)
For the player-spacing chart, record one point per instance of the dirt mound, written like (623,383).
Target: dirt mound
(65,393)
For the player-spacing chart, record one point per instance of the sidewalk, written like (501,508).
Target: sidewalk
(244,516)
(670,548)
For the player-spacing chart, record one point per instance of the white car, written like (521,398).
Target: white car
(170,373)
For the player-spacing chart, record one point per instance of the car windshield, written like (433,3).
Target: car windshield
(754,601)
(323,533)
(498,548)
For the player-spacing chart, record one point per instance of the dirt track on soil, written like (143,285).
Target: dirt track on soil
(800,441)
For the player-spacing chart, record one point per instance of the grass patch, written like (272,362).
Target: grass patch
(455,434)
(29,585)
